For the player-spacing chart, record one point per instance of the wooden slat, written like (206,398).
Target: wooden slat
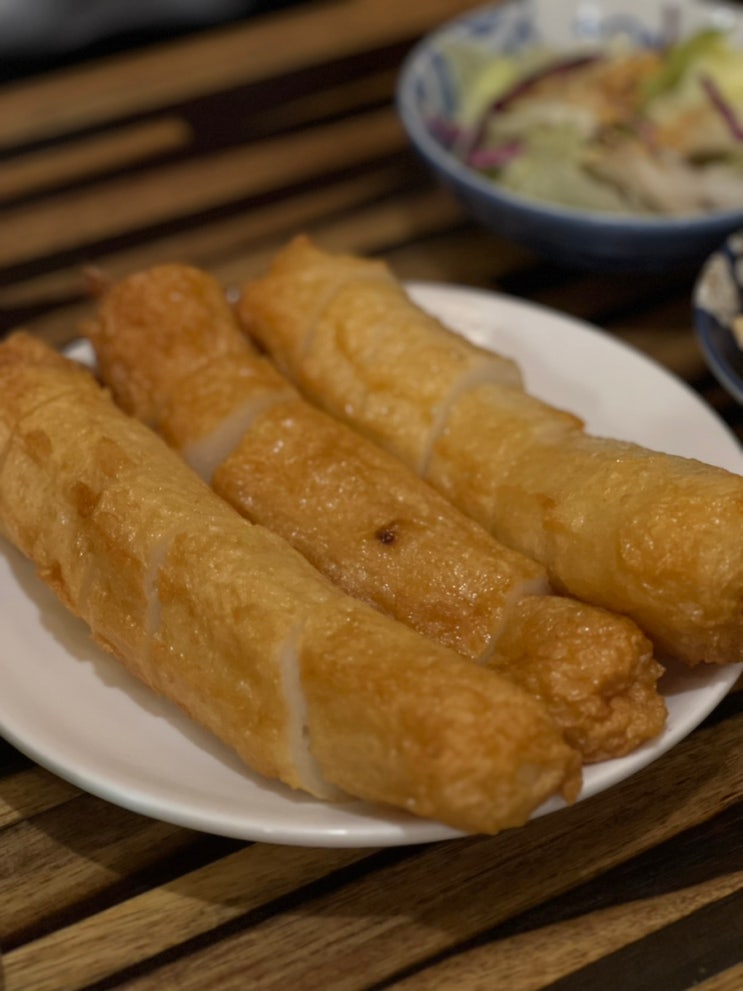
(27,793)
(89,157)
(730,980)
(216,149)
(406,913)
(406,216)
(352,95)
(532,960)
(223,238)
(271,46)
(73,853)
(465,255)
(366,231)
(111,209)
(151,923)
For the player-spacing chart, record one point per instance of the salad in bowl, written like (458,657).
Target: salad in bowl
(605,134)
(634,128)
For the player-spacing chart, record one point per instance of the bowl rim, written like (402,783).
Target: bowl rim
(448,165)
(707,325)
(727,378)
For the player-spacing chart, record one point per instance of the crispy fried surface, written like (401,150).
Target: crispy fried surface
(601,689)
(452,742)
(356,513)
(220,616)
(194,342)
(361,519)
(657,537)
(654,536)
(345,328)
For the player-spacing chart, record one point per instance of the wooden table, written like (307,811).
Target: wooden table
(215,149)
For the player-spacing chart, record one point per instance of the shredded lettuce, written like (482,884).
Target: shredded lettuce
(681,105)
(681,58)
(553,168)
(622,130)
(481,78)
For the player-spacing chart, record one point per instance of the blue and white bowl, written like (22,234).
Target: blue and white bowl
(718,312)
(427,91)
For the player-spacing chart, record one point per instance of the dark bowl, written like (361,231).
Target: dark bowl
(718,304)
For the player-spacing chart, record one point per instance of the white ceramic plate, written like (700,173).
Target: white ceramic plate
(77,712)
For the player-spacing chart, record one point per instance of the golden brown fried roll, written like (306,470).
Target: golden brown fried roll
(590,667)
(227,620)
(359,515)
(398,376)
(657,537)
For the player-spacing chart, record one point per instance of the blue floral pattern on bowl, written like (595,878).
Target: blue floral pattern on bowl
(718,314)
(516,27)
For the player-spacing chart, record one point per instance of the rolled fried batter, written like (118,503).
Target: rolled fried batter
(227,620)
(654,536)
(592,679)
(359,515)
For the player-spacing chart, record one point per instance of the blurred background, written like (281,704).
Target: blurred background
(40,34)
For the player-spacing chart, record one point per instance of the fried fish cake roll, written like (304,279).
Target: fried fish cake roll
(224,618)
(356,513)
(591,668)
(361,517)
(654,536)
(405,373)
(657,537)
